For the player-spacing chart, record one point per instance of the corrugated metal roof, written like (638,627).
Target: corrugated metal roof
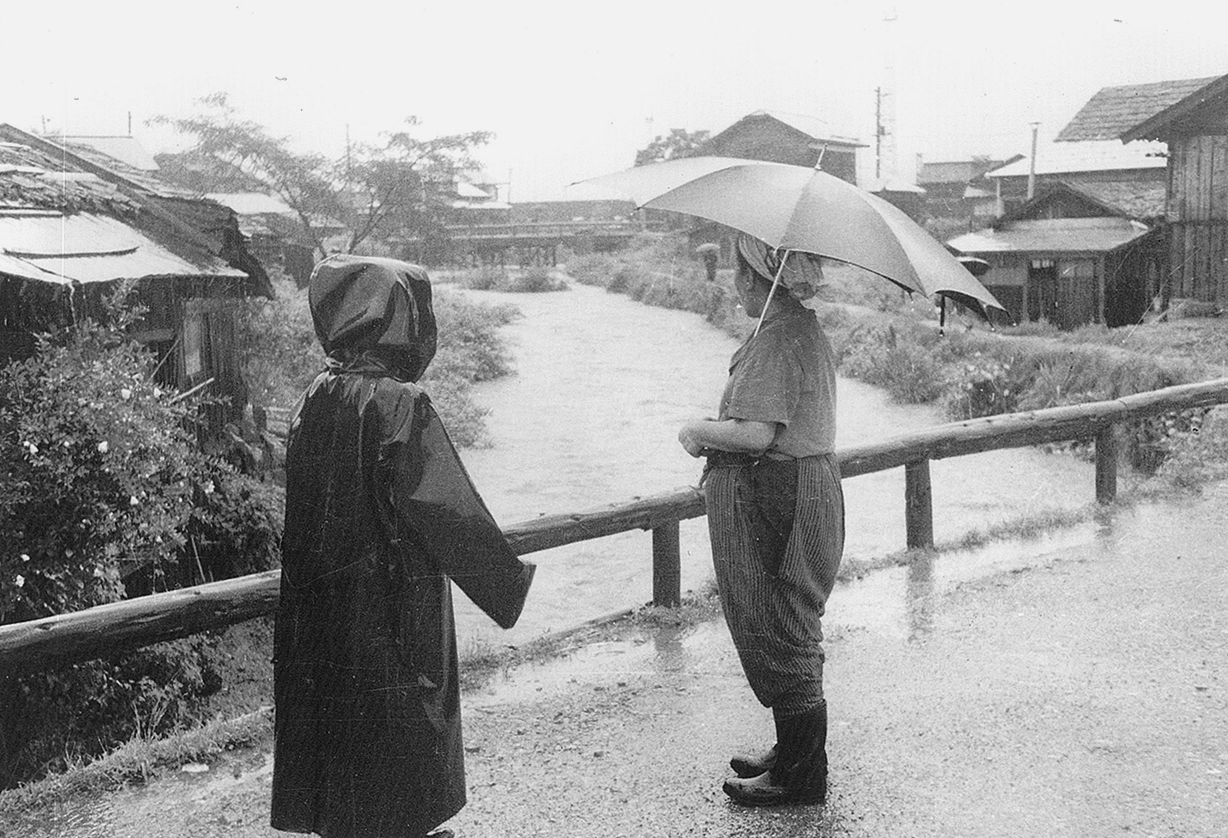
(92,248)
(1058,235)
(1089,156)
(1114,110)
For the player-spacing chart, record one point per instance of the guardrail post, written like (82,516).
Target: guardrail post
(666,565)
(918,504)
(1106,464)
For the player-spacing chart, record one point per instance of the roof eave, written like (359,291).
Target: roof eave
(1153,127)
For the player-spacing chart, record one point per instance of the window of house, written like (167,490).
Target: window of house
(193,345)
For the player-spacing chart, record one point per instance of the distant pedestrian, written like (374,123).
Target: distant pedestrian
(776,518)
(710,252)
(380,514)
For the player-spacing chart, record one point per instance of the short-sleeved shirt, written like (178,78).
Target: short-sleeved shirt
(785,375)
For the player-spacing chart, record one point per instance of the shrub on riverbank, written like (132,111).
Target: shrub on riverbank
(105,493)
(532,280)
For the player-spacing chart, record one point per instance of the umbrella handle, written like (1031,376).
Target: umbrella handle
(771,292)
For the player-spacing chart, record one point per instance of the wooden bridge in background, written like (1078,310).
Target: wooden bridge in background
(537,242)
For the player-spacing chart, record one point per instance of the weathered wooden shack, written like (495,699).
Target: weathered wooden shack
(1074,256)
(71,228)
(1195,129)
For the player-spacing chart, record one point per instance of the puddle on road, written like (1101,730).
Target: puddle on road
(896,602)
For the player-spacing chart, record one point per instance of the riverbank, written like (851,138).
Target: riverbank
(1062,689)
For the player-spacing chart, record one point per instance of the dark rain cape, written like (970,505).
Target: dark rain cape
(380,514)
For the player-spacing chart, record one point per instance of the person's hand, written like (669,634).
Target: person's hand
(688,436)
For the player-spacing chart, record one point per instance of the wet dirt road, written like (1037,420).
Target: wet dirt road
(1065,689)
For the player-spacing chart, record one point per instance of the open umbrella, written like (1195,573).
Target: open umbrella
(794,208)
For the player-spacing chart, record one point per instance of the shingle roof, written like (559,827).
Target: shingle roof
(32,179)
(1114,110)
(1143,200)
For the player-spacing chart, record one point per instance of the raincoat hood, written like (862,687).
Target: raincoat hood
(373,314)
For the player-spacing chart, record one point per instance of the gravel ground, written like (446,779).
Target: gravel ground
(1072,691)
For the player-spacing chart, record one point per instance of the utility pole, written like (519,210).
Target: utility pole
(1032,166)
(878,132)
(885,164)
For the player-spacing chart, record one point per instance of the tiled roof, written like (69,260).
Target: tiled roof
(1114,110)
(1140,199)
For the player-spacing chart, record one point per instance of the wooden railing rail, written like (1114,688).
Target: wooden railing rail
(95,631)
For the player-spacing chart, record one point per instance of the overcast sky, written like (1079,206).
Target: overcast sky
(573,89)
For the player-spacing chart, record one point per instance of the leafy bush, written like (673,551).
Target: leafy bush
(281,354)
(483,278)
(533,281)
(983,386)
(104,493)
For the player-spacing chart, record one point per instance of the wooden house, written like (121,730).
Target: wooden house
(1074,255)
(781,137)
(1195,129)
(71,226)
(958,195)
(777,137)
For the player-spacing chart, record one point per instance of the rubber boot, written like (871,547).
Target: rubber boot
(752,765)
(800,772)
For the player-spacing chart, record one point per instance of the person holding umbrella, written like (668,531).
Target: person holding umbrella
(776,516)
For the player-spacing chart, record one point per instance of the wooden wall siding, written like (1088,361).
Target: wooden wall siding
(1199,179)
(1197,255)
(1198,215)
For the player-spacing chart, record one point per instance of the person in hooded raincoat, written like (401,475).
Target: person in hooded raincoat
(380,515)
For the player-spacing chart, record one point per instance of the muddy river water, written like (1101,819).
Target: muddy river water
(590,418)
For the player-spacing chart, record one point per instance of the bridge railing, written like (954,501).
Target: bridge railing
(143,620)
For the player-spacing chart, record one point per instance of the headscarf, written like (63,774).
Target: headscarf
(803,273)
(373,315)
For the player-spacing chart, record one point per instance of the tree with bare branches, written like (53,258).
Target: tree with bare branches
(401,188)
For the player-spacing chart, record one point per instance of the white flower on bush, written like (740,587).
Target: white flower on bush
(103,447)
(132,501)
(25,557)
(21,580)
(125,393)
(208,487)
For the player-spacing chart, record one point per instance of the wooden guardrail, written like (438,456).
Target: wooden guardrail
(84,634)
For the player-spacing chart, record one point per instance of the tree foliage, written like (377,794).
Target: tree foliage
(402,186)
(678,143)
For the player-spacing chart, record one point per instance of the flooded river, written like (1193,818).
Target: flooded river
(590,418)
